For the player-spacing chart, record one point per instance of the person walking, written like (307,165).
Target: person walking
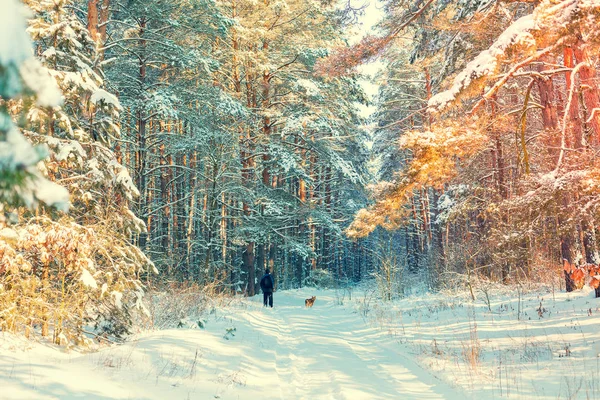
(266,285)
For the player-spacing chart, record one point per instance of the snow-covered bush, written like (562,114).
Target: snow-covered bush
(389,278)
(319,278)
(176,305)
(183,305)
(62,276)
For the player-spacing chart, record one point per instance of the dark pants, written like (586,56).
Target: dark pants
(268,297)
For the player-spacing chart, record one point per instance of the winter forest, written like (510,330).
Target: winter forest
(179,148)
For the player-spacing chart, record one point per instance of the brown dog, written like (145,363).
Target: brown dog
(310,302)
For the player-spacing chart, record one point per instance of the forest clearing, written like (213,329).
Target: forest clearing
(417,181)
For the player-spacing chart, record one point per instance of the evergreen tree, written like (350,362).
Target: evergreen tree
(23,81)
(65,272)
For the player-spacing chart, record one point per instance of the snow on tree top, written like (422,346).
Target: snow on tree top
(88,279)
(101,95)
(310,87)
(548,17)
(49,52)
(49,193)
(16,153)
(487,62)
(38,79)
(16,57)
(12,25)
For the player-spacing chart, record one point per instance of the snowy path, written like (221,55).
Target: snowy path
(288,352)
(327,352)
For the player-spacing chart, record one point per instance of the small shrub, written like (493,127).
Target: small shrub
(229,333)
(319,278)
(178,305)
(471,348)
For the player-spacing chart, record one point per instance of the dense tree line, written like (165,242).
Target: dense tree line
(200,141)
(243,159)
(195,144)
(493,106)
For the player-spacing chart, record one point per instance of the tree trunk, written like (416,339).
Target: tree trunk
(575,139)
(589,91)
(92,19)
(248,262)
(567,259)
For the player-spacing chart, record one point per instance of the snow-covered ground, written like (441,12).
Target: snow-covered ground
(509,343)
(421,347)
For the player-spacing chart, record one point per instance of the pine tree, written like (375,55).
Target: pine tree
(22,81)
(64,272)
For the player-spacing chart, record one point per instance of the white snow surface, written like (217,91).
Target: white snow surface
(342,348)
(37,78)
(288,352)
(101,95)
(12,25)
(87,279)
(16,50)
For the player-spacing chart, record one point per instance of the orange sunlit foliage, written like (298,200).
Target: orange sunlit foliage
(435,153)
(579,273)
(594,272)
(344,60)
(578,277)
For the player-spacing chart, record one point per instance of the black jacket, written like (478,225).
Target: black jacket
(266,283)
